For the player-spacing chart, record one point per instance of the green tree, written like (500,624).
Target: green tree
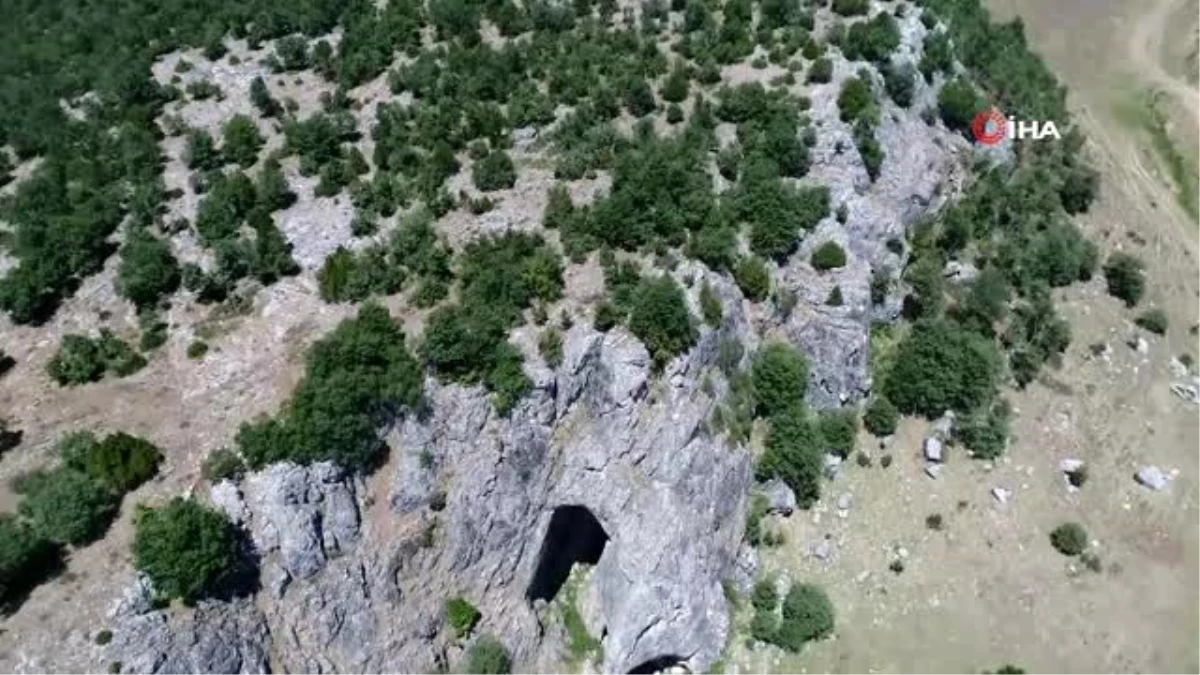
(77,361)
(794,454)
(185,548)
(780,377)
(494,172)
(148,271)
(241,140)
(25,559)
(120,462)
(66,506)
(807,615)
(881,417)
(753,278)
(959,103)
(856,101)
(839,431)
(940,366)
(639,98)
(661,320)
(200,153)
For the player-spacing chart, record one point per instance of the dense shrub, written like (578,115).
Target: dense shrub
(66,506)
(807,615)
(881,417)
(780,377)
(487,656)
(81,359)
(25,560)
(940,366)
(661,320)
(222,464)
(821,71)
(187,550)
(753,278)
(241,140)
(120,462)
(851,7)
(872,40)
(494,172)
(1153,320)
(710,305)
(839,431)
(148,271)
(794,454)
(958,104)
(984,431)
(1069,539)
(1123,272)
(355,379)
(856,101)
(764,595)
(828,256)
(461,616)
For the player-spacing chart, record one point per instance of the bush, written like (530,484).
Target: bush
(710,305)
(856,101)
(1069,539)
(77,361)
(148,271)
(881,417)
(550,346)
(187,550)
(241,140)
(197,349)
(851,7)
(828,256)
(779,373)
(984,432)
(494,172)
(753,278)
(461,615)
(120,462)
(958,104)
(222,464)
(834,299)
(872,40)
(794,454)
(1123,272)
(488,657)
(25,560)
(839,431)
(940,367)
(66,506)
(807,615)
(765,597)
(821,71)
(661,320)
(1153,320)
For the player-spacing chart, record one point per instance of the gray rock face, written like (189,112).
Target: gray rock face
(354,581)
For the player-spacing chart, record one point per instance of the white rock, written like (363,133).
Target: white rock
(1152,477)
(1178,370)
(933,449)
(933,470)
(822,550)
(1001,494)
(1070,465)
(845,501)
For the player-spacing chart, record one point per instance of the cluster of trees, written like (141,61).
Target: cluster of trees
(498,279)
(806,614)
(413,252)
(355,379)
(71,504)
(81,359)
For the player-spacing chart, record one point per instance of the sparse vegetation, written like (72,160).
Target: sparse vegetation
(461,616)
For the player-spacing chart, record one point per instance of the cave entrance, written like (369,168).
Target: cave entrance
(660,664)
(574,536)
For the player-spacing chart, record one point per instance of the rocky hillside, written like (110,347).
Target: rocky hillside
(588,225)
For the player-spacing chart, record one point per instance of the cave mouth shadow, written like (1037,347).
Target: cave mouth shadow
(574,536)
(658,664)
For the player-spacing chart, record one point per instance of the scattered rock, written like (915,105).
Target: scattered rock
(934,471)
(1178,370)
(1187,392)
(1139,344)
(845,501)
(941,428)
(933,449)
(1001,494)
(1152,477)
(833,464)
(780,498)
(823,550)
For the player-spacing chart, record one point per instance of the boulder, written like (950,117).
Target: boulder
(1152,477)
(934,471)
(780,498)
(933,449)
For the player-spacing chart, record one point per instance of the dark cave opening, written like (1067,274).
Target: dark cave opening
(657,665)
(574,536)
